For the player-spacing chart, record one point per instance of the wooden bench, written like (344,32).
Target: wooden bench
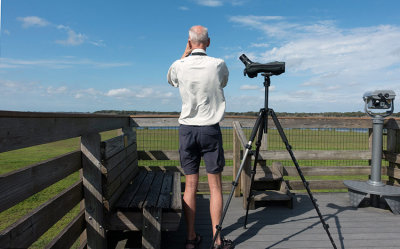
(134,198)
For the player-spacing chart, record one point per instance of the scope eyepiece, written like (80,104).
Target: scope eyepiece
(246,61)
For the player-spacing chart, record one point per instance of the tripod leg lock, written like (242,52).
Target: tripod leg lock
(235,184)
(218,227)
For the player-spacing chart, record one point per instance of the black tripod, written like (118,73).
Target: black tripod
(261,126)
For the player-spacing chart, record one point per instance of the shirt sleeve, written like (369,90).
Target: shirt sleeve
(172,76)
(224,74)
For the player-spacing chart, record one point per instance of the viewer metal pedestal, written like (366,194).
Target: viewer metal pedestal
(359,190)
(375,187)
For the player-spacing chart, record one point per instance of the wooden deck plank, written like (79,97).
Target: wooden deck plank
(276,226)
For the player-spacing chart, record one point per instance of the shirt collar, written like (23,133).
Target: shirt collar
(198,50)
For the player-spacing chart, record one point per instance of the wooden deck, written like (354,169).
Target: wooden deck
(280,227)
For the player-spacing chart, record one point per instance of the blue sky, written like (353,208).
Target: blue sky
(90,55)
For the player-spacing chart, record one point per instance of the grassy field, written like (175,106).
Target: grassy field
(300,139)
(167,139)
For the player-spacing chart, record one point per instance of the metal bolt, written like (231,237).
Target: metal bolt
(90,217)
(101,227)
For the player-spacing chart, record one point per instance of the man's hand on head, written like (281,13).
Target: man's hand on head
(188,50)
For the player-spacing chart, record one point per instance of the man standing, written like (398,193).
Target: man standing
(200,80)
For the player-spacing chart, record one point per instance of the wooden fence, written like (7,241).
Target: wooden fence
(20,130)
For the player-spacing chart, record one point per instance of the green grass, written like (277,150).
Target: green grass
(167,139)
(299,139)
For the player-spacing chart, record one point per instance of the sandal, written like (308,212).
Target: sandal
(225,244)
(195,243)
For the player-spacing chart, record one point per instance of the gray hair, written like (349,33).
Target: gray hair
(198,37)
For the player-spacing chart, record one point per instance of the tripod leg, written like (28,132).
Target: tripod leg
(260,118)
(305,183)
(253,171)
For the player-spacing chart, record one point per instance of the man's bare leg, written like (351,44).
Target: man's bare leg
(216,201)
(189,204)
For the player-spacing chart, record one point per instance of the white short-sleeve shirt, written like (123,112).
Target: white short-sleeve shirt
(200,79)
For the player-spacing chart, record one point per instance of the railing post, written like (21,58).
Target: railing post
(370,135)
(393,146)
(83,236)
(236,160)
(93,193)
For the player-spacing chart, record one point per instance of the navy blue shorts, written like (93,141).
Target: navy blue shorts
(201,141)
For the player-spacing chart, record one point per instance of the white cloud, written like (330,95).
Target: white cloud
(249,87)
(59,90)
(259,45)
(331,64)
(90,92)
(73,39)
(183,8)
(33,21)
(66,62)
(210,3)
(7,84)
(333,87)
(144,92)
(237,2)
(12,87)
(121,92)
(99,43)
(218,3)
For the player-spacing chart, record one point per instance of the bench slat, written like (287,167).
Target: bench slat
(114,198)
(152,197)
(176,192)
(165,194)
(120,168)
(109,164)
(116,144)
(123,179)
(131,190)
(142,192)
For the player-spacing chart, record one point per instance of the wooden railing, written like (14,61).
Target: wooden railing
(239,140)
(20,130)
(391,125)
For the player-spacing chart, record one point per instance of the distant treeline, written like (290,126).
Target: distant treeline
(280,114)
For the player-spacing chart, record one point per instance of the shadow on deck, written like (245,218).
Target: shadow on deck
(279,227)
